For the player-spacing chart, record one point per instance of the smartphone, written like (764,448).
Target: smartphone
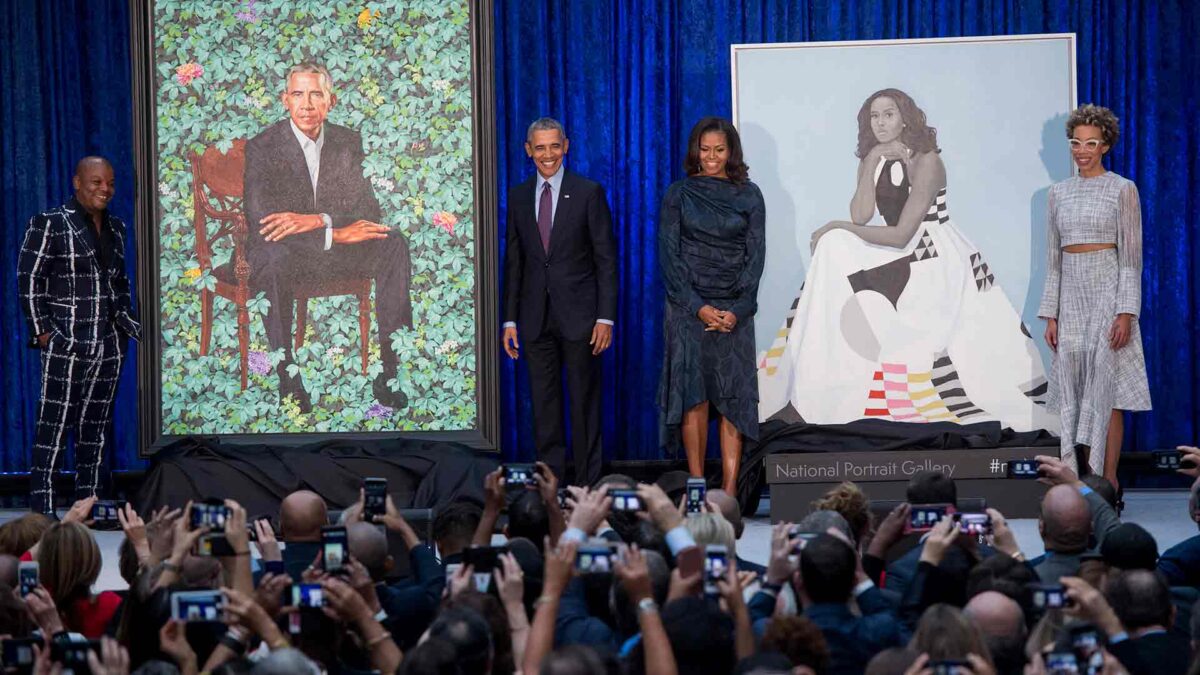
(922,518)
(625,500)
(1049,596)
(374,498)
(105,512)
(72,655)
(274,567)
(1021,468)
(483,559)
(1167,460)
(595,557)
(197,606)
(563,495)
(304,595)
(696,490)
(27,577)
(1088,643)
(209,513)
(1062,663)
(974,523)
(18,653)
(716,562)
(950,667)
(333,548)
(520,475)
(214,545)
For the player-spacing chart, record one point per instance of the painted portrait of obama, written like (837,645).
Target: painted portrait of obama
(313,219)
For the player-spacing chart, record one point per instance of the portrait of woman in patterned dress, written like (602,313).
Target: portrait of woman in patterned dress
(902,320)
(1092,297)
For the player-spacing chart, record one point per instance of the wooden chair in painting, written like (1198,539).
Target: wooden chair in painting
(217,189)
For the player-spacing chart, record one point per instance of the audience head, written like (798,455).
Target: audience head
(1140,599)
(286,662)
(1066,521)
(14,617)
(20,534)
(931,487)
(432,657)
(891,661)
(848,500)
(302,514)
(1005,575)
(1101,486)
(1129,547)
(625,523)
(819,522)
(799,639)
(8,570)
(69,563)
(944,633)
(368,545)
(470,635)
(701,636)
(454,526)
(528,517)
(489,607)
(827,567)
(576,660)
(1002,623)
(729,509)
(624,609)
(712,528)
(768,663)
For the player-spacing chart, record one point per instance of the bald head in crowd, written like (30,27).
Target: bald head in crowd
(301,516)
(996,614)
(368,545)
(1066,520)
(729,508)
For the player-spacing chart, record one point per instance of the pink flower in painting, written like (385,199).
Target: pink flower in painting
(187,72)
(445,220)
(260,363)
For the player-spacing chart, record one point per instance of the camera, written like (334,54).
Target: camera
(333,548)
(483,559)
(210,513)
(18,653)
(625,500)
(1168,460)
(1021,468)
(374,498)
(104,513)
(197,606)
(520,475)
(1049,596)
(1062,663)
(716,563)
(73,654)
(27,577)
(974,523)
(594,557)
(696,491)
(950,667)
(306,595)
(922,518)
(214,545)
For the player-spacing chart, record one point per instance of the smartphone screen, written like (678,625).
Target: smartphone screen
(974,523)
(1167,460)
(1062,663)
(924,517)
(374,497)
(18,652)
(27,577)
(1021,468)
(519,475)
(201,606)
(1048,596)
(625,500)
(696,491)
(594,558)
(214,545)
(307,595)
(716,562)
(333,548)
(212,515)
(105,512)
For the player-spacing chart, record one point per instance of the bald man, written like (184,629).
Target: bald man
(72,286)
(1066,528)
(302,514)
(1002,623)
(728,506)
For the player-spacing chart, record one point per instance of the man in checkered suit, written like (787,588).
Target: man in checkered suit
(75,294)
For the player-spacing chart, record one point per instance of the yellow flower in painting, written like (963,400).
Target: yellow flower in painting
(365,17)
(193,273)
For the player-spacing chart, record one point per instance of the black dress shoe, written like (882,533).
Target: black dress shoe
(396,400)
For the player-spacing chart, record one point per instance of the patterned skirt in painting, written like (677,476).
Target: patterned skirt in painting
(1088,379)
(918,334)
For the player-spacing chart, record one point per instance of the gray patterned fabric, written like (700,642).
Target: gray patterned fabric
(1085,292)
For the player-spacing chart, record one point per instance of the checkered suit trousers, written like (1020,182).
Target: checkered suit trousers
(77,396)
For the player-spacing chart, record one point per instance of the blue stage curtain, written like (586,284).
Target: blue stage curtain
(64,94)
(629,78)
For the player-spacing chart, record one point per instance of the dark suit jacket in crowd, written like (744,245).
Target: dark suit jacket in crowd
(1154,654)
(1181,563)
(411,604)
(579,272)
(276,180)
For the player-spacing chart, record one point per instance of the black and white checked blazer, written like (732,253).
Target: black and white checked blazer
(63,286)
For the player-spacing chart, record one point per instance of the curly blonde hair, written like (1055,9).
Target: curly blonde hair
(1095,116)
(849,501)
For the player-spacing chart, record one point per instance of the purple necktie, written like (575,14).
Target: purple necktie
(546,215)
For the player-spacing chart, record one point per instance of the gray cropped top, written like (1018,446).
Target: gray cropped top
(1099,210)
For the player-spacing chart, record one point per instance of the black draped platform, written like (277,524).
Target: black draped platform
(802,460)
(420,474)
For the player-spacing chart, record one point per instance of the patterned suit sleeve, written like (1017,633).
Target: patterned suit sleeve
(32,276)
(756,250)
(670,257)
(1048,309)
(1129,251)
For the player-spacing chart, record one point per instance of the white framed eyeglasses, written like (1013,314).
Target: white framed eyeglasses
(1092,144)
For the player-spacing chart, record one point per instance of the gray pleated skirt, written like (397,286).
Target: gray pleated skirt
(1089,380)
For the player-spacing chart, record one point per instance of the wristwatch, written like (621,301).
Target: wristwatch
(647,606)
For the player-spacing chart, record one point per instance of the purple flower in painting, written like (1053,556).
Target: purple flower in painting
(379,410)
(260,364)
(250,15)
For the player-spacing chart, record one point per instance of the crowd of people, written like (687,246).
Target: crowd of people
(503,587)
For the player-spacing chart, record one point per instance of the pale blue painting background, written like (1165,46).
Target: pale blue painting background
(999,108)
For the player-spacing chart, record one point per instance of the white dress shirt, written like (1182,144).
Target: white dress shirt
(312,157)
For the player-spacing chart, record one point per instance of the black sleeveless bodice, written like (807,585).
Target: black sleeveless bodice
(889,197)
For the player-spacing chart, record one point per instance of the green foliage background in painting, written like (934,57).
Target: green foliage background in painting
(402,75)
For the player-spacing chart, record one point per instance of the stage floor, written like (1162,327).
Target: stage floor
(1163,513)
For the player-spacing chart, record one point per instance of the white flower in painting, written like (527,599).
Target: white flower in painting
(447,347)
(163,189)
(440,85)
(334,351)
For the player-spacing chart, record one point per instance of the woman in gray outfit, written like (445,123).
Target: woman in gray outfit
(1092,297)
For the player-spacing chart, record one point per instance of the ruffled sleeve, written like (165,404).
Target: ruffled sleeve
(1048,309)
(1129,251)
